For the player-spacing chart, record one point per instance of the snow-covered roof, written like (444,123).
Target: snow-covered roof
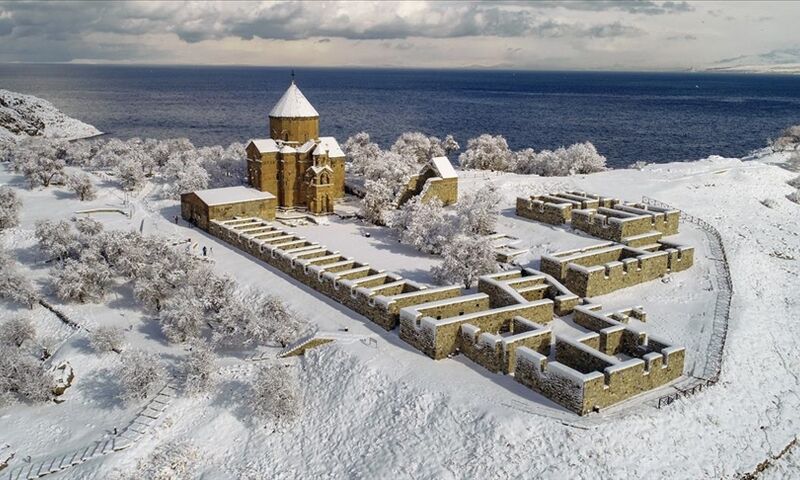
(221,196)
(293,104)
(331,145)
(287,149)
(265,145)
(443,167)
(317,170)
(306,146)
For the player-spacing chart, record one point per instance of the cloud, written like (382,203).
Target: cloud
(634,7)
(686,36)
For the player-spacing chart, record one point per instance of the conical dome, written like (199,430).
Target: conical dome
(293,104)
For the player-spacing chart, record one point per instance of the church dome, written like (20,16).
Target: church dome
(293,104)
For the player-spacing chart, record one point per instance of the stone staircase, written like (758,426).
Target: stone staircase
(147,418)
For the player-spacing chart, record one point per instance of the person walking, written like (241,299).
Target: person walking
(176,219)
(204,250)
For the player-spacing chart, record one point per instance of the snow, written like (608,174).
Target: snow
(443,167)
(25,115)
(379,410)
(293,104)
(221,196)
(330,145)
(265,145)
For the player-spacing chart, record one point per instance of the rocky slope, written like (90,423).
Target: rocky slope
(28,116)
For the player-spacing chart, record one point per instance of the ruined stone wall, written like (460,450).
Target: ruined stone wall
(607,267)
(497,353)
(439,338)
(535,208)
(445,189)
(580,374)
(584,374)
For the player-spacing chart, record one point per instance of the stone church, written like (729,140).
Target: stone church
(302,169)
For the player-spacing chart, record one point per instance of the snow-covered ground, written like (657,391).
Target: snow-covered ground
(28,116)
(379,409)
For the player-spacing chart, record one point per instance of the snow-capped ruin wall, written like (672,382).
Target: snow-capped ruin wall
(607,267)
(503,327)
(632,224)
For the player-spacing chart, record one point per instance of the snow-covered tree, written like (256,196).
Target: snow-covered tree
(130,173)
(168,461)
(794,196)
(84,280)
(107,339)
(276,394)
(182,316)
(23,375)
(582,158)
(378,201)
(418,146)
(478,211)
(14,285)
(80,153)
(449,145)
(81,184)
(466,258)
(199,368)
(183,174)
(387,178)
(424,225)
(140,374)
(486,152)
(56,239)
(110,153)
(360,152)
(16,331)
(42,169)
(795,182)
(88,226)
(10,205)
(252,318)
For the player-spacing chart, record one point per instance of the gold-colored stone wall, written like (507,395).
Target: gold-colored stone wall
(294,129)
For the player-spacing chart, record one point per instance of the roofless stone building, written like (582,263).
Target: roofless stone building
(294,168)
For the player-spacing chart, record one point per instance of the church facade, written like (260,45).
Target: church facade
(300,168)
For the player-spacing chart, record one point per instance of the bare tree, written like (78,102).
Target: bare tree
(10,205)
(16,331)
(81,184)
(199,368)
(276,394)
(108,339)
(141,374)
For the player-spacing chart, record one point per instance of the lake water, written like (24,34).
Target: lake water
(655,117)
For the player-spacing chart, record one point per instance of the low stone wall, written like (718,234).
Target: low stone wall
(557,208)
(589,375)
(608,267)
(634,224)
(503,327)
(439,338)
(497,353)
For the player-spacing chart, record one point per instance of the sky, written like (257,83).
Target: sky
(577,35)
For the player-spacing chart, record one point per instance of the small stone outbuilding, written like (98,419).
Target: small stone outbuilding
(202,206)
(437,179)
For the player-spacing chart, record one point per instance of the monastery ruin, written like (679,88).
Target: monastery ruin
(506,326)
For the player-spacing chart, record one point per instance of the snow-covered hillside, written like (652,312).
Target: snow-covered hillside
(374,407)
(28,116)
